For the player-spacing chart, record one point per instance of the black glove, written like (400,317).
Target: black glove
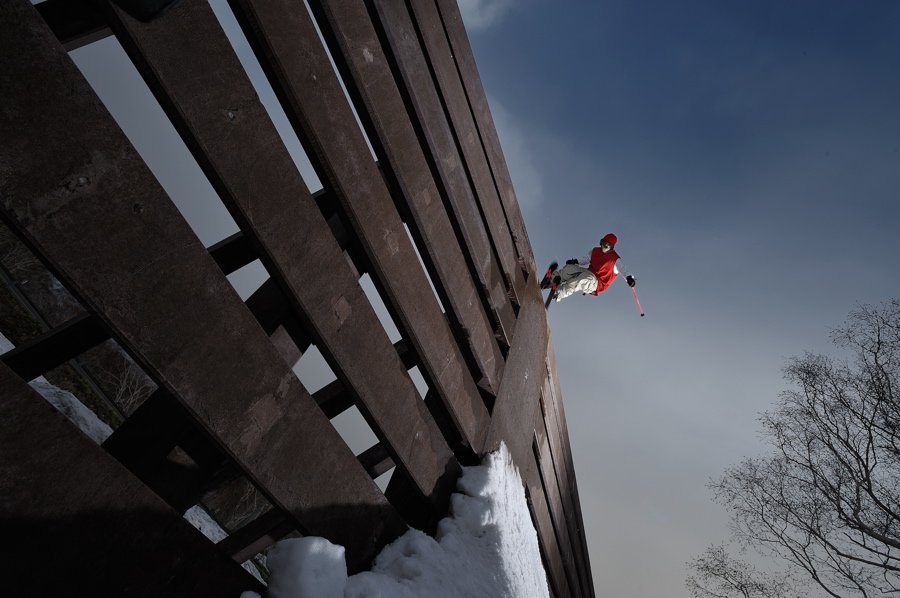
(630,280)
(571,261)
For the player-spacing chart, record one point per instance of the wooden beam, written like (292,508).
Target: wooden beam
(468,72)
(55,347)
(543,524)
(233,253)
(376,460)
(371,83)
(75,23)
(547,476)
(315,103)
(136,263)
(440,57)
(565,467)
(256,536)
(243,157)
(432,125)
(518,400)
(96,527)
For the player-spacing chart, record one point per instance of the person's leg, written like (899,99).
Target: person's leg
(570,271)
(583,282)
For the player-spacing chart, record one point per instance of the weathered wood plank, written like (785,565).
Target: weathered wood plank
(512,420)
(287,44)
(241,153)
(432,125)
(561,476)
(144,440)
(555,505)
(144,443)
(370,81)
(94,525)
(568,483)
(376,460)
(440,56)
(233,253)
(256,536)
(98,217)
(543,524)
(56,346)
(468,70)
(557,450)
(75,23)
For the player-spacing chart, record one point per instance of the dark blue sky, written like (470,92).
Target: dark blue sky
(748,156)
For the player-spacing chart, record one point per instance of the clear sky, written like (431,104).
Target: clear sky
(747,155)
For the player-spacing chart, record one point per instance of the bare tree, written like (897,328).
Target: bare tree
(129,384)
(827,499)
(717,574)
(14,256)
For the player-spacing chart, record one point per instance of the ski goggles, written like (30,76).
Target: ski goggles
(605,245)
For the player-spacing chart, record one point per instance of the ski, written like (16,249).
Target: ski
(545,283)
(551,296)
(549,282)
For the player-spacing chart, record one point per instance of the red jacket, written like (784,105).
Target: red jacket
(603,265)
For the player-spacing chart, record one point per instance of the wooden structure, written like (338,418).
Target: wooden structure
(227,402)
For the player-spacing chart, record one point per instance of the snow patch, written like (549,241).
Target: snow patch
(66,403)
(487,547)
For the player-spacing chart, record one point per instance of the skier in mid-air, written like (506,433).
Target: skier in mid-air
(592,274)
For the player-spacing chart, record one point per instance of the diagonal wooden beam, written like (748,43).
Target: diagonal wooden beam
(370,81)
(97,216)
(55,347)
(96,526)
(75,23)
(289,48)
(434,128)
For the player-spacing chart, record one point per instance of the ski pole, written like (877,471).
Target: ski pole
(640,309)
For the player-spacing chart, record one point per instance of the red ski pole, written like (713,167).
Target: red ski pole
(640,309)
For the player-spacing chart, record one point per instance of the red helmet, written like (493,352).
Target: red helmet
(610,238)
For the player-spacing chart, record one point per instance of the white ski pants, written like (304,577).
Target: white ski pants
(575,279)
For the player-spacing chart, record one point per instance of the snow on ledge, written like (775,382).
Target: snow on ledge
(486,547)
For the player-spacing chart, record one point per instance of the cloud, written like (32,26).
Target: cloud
(481,14)
(523,163)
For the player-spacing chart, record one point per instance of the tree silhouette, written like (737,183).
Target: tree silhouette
(826,500)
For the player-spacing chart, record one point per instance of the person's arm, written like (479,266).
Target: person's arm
(619,268)
(584,262)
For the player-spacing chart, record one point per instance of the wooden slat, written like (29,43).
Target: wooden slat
(585,569)
(444,158)
(512,420)
(255,176)
(557,450)
(468,71)
(256,536)
(144,441)
(99,218)
(75,23)
(555,505)
(370,81)
(289,47)
(56,346)
(566,470)
(233,253)
(543,524)
(440,57)
(95,527)
(376,460)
